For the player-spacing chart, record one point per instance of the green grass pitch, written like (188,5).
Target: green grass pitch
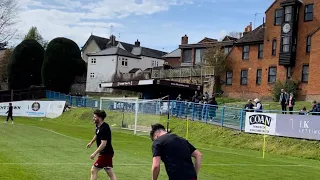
(35,149)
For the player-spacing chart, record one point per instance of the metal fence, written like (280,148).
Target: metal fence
(224,116)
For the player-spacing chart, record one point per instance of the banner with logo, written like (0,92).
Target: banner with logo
(49,109)
(298,126)
(261,123)
(18,108)
(36,108)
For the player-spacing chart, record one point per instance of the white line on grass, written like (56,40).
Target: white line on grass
(250,165)
(54,132)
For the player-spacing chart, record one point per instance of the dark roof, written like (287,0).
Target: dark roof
(148,69)
(113,51)
(226,38)
(103,44)
(134,70)
(255,36)
(205,45)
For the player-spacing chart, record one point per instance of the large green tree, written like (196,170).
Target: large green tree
(24,66)
(62,63)
(34,34)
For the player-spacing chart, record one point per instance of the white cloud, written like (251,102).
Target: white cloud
(76,19)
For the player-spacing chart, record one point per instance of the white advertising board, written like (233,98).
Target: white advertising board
(261,123)
(50,109)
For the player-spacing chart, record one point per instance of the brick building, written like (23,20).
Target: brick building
(286,46)
(192,54)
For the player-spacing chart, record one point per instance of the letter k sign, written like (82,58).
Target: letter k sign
(304,124)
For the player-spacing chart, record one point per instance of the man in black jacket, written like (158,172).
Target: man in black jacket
(10,113)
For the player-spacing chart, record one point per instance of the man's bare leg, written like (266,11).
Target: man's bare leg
(110,173)
(94,173)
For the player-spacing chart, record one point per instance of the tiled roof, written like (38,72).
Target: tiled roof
(175,53)
(255,36)
(113,51)
(205,45)
(103,44)
(134,70)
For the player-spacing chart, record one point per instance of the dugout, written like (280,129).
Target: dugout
(156,88)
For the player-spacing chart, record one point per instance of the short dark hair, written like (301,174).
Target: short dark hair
(156,127)
(100,113)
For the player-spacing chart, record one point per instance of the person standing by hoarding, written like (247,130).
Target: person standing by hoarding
(10,113)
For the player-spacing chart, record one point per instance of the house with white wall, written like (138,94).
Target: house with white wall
(107,57)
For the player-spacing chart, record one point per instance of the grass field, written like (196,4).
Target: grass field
(56,150)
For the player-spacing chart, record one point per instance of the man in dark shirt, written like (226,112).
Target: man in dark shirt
(105,149)
(10,113)
(176,154)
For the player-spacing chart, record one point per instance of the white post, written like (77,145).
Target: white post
(136,117)
(100,103)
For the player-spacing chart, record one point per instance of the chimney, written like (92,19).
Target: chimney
(112,40)
(247,29)
(137,43)
(184,39)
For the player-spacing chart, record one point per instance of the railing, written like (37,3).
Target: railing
(224,116)
(183,72)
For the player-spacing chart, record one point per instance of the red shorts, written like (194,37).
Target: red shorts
(104,161)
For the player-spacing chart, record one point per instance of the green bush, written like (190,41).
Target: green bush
(62,62)
(290,86)
(24,66)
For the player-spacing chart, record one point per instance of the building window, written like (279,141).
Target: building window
(227,50)
(229,78)
(244,77)
(259,76)
(93,61)
(199,56)
(91,75)
(308,47)
(305,73)
(285,44)
(274,47)
(124,62)
(308,12)
(187,53)
(245,52)
(260,52)
(278,16)
(272,75)
(288,13)
(152,65)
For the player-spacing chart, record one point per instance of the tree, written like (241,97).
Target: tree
(8,11)
(214,56)
(62,63)
(4,64)
(235,34)
(34,34)
(24,67)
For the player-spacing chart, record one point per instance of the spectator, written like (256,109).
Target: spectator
(258,107)
(179,98)
(292,102)
(213,106)
(315,108)
(283,101)
(249,106)
(303,111)
(195,97)
(206,97)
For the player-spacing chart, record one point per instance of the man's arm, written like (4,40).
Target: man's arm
(156,167)
(92,141)
(101,147)
(197,155)
(198,158)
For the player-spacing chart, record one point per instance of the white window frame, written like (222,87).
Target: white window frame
(124,62)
